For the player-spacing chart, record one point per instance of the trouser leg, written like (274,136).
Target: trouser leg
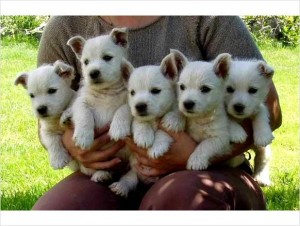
(215,189)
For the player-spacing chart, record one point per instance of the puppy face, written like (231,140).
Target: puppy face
(152,90)
(49,88)
(247,87)
(200,86)
(150,93)
(101,57)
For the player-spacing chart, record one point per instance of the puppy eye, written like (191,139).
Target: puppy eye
(229,89)
(52,90)
(155,91)
(205,89)
(182,87)
(132,92)
(107,58)
(31,95)
(86,61)
(252,90)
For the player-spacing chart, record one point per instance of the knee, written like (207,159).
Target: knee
(188,190)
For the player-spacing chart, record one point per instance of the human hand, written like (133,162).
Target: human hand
(175,159)
(100,156)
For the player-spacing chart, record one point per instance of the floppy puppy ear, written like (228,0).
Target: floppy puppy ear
(222,65)
(120,36)
(22,79)
(65,71)
(126,69)
(172,64)
(76,43)
(265,70)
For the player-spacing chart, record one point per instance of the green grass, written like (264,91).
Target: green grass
(284,195)
(25,170)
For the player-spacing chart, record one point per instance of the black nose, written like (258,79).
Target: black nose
(188,104)
(141,107)
(94,74)
(42,110)
(239,108)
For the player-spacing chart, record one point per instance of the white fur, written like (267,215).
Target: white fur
(246,90)
(151,96)
(103,91)
(49,87)
(200,100)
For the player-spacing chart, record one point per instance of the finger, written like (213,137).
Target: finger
(100,155)
(147,171)
(104,165)
(102,130)
(134,148)
(100,141)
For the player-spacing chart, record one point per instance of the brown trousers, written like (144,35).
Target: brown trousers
(214,189)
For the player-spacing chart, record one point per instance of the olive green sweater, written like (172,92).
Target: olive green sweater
(198,37)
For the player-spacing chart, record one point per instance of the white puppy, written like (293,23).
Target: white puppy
(152,96)
(103,91)
(246,89)
(200,99)
(49,87)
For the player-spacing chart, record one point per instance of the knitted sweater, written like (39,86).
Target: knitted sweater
(198,37)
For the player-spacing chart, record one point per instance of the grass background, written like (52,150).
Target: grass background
(25,170)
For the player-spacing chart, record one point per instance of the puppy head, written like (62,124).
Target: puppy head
(101,57)
(247,87)
(151,89)
(200,86)
(49,88)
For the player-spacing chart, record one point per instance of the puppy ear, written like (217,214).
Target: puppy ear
(265,70)
(126,69)
(173,64)
(222,65)
(120,36)
(22,79)
(76,43)
(65,71)
(180,59)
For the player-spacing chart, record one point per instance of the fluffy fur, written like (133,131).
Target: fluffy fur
(246,89)
(202,103)
(49,87)
(103,91)
(151,96)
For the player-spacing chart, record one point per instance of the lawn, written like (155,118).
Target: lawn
(25,170)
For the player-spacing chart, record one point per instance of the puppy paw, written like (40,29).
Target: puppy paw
(119,188)
(66,117)
(144,140)
(196,163)
(161,145)
(238,136)
(263,179)
(236,132)
(60,160)
(262,139)
(173,121)
(101,176)
(83,139)
(118,131)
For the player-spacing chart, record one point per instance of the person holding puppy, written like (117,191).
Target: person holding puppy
(151,38)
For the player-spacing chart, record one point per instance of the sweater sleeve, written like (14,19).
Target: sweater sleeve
(220,34)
